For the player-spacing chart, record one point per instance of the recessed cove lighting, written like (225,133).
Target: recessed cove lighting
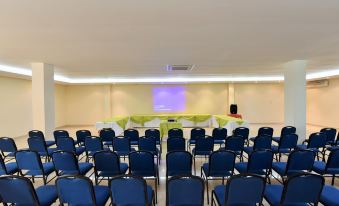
(16,70)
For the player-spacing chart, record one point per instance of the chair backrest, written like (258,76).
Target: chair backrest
(36,134)
(107,134)
(153,133)
(93,144)
(178,163)
(219,133)
(185,190)
(132,134)
(28,160)
(235,143)
(175,132)
(101,160)
(37,144)
(142,163)
(287,130)
(176,144)
(148,144)
(66,144)
(330,134)
(7,144)
(265,131)
(204,144)
(333,160)
(260,160)
(60,134)
(197,132)
(17,190)
(288,141)
(242,131)
(317,140)
(245,189)
(301,189)
(133,187)
(221,161)
(121,144)
(300,160)
(75,190)
(65,163)
(262,142)
(3,169)
(82,134)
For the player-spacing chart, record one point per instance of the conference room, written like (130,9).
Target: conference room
(169,103)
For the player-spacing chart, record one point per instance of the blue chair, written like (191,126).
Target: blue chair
(329,195)
(316,143)
(330,135)
(203,147)
(39,145)
(220,165)
(122,146)
(331,167)
(107,165)
(299,189)
(9,168)
(156,134)
(243,132)
(298,161)
(150,144)
(285,131)
(60,134)
(219,135)
(66,163)
(195,134)
(131,190)
(235,144)
(264,131)
(141,163)
(243,189)
(178,163)
(286,144)
(7,148)
(92,145)
(185,190)
(259,162)
(176,144)
(133,136)
(81,136)
(29,164)
(79,190)
(40,134)
(68,145)
(107,135)
(260,142)
(20,191)
(175,132)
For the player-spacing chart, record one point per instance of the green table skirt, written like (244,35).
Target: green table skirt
(166,126)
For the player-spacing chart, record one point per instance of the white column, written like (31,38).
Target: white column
(43,98)
(295,96)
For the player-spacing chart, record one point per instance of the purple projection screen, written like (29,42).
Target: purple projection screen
(169,99)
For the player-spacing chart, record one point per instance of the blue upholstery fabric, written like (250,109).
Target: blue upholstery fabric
(185,191)
(68,145)
(259,163)
(30,161)
(101,194)
(175,132)
(153,133)
(48,168)
(133,136)
(330,134)
(178,163)
(84,167)
(176,144)
(39,145)
(11,168)
(148,144)
(243,132)
(122,146)
(219,135)
(7,145)
(221,164)
(329,196)
(273,194)
(205,168)
(235,144)
(195,134)
(108,164)
(241,167)
(130,191)
(203,146)
(276,149)
(220,192)
(107,136)
(67,164)
(47,194)
(81,135)
(285,131)
(141,163)
(92,145)
(248,150)
(332,165)
(40,134)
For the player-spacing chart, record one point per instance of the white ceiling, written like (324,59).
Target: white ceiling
(86,38)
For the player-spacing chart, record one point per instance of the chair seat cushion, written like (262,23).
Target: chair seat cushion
(248,150)
(220,191)
(146,173)
(332,148)
(329,196)
(219,141)
(273,194)
(11,167)
(201,152)
(303,146)
(149,194)
(276,139)
(320,167)
(47,194)
(124,153)
(279,167)
(79,150)
(134,142)
(108,143)
(50,143)
(47,167)
(101,194)
(241,167)
(123,170)
(276,149)
(84,167)
(205,168)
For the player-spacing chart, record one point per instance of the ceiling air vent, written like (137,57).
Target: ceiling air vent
(318,83)
(179,67)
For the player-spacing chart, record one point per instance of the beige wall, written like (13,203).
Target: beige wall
(260,103)
(60,105)
(322,105)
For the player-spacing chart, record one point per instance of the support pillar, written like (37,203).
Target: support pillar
(295,96)
(43,111)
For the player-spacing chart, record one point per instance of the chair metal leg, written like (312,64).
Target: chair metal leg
(156,189)
(333,177)
(208,200)
(194,165)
